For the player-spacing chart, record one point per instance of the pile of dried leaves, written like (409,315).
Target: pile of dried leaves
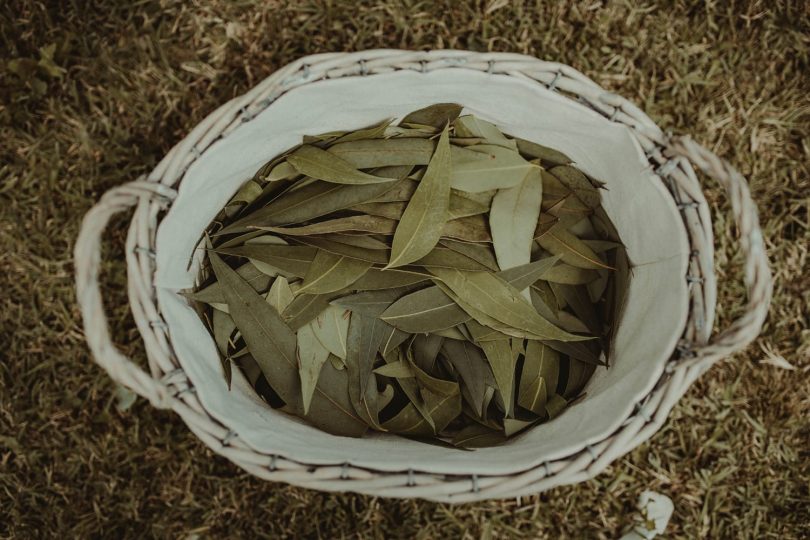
(435,279)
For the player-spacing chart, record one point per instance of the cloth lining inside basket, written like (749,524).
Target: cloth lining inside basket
(643,212)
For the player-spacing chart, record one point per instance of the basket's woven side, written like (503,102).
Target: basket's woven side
(167,385)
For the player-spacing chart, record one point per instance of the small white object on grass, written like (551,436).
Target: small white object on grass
(656,509)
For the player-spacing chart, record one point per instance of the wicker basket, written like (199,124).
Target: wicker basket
(168,384)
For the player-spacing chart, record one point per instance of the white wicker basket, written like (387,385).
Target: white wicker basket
(301,455)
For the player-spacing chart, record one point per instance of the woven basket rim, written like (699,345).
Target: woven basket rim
(168,386)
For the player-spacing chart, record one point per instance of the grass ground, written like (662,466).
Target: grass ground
(94,93)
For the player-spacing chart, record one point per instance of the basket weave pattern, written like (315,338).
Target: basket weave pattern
(166,385)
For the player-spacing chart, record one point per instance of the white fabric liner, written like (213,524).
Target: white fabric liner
(644,214)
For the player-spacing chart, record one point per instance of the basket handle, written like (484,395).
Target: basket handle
(758,280)
(87,258)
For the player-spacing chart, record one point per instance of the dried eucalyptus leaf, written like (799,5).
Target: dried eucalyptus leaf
(500,169)
(577,182)
(497,298)
(572,250)
(373,132)
(280,294)
(370,303)
(213,293)
(270,340)
(419,229)
(329,273)
(306,307)
(293,261)
(538,378)
(478,436)
(391,278)
(502,362)
(396,370)
(473,368)
(426,349)
(368,224)
(436,116)
(311,357)
(320,164)
(331,328)
(472,126)
(513,219)
(479,253)
(548,156)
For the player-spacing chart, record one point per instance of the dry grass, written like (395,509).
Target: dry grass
(104,90)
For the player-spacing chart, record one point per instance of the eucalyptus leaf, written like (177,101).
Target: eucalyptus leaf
(497,298)
(436,116)
(329,273)
(280,294)
(320,164)
(513,219)
(548,156)
(331,328)
(311,357)
(419,229)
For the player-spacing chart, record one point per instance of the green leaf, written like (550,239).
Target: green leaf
(322,165)
(419,228)
(330,273)
(500,169)
(311,357)
(436,116)
(292,261)
(501,301)
(331,327)
(513,219)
